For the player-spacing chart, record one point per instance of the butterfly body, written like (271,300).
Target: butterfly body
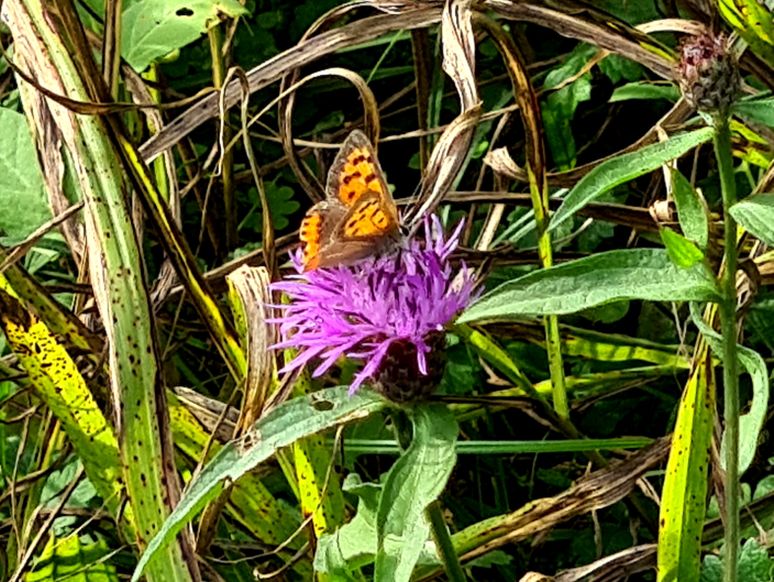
(358,217)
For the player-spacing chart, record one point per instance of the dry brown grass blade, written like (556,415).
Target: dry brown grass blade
(592,26)
(326,22)
(18,251)
(371,114)
(614,567)
(640,558)
(640,219)
(48,145)
(251,284)
(273,69)
(140,94)
(600,489)
(459,56)
(673,118)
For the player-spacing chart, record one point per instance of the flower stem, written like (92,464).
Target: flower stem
(539,195)
(727,309)
(443,543)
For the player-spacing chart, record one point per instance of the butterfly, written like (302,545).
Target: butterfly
(358,217)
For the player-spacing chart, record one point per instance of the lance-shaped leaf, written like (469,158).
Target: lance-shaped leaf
(612,276)
(58,382)
(621,169)
(683,499)
(415,480)
(279,428)
(53,48)
(750,423)
(756,214)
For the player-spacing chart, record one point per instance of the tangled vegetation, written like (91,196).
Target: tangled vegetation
(530,341)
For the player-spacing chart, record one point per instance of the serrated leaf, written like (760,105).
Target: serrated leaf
(690,210)
(756,215)
(279,428)
(750,423)
(623,168)
(154,28)
(415,480)
(612,276)
(681,251)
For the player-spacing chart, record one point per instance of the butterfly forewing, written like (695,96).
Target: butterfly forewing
(358,216)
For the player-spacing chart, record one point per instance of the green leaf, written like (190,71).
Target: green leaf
(22,197)
(644,90)
(415,480)
(756,110)
(752,20)
(751,423)
(623,168)
(754,564)
(615,67)
(155,28)
(756,214)
(683,498)
(681,251)
(281,427)
(559,107)
(612,276)
(354,544)
(690,211)
(67,558)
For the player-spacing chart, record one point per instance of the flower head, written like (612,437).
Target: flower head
(381,310)
(708,73)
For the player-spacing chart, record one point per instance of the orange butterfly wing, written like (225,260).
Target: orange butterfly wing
(359,214)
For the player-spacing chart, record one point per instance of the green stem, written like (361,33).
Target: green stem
(539,195)
(443,543)
(727,309)
(219,72)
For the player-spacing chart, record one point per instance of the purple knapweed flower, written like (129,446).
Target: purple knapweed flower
(381,310)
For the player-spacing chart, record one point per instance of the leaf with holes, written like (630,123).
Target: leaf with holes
(154,28)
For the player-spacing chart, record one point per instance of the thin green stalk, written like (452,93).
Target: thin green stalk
(727,309)
(443,542)
(227,157)
(550,322)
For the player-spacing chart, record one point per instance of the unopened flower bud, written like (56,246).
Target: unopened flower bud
(708,73)
(399,377)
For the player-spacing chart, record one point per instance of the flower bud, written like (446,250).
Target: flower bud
(708,73)
(399,378)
